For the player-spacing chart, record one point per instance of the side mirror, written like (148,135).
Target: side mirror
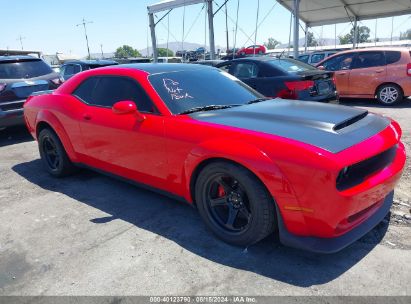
(321,67)
(127,107)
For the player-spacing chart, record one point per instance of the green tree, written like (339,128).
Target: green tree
(363,35)
(163,52)
(126,51)
(311,41)
(406,35)
(271,43)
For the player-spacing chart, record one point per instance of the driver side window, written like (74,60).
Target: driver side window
(341,62)
(105,91)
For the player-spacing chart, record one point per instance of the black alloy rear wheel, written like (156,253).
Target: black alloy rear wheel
(53,155)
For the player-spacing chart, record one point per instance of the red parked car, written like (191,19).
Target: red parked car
(323,175)
(259,49)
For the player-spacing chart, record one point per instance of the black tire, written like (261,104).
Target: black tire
(389,94)
(255,217)
(53,155)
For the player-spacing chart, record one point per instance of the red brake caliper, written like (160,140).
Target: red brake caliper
(220,191)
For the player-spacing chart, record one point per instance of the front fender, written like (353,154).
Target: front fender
(252,158)
(52,120)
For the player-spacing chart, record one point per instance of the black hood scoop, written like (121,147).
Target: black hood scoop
(330,127)
(350,121)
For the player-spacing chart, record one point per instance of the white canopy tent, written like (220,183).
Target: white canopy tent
(166,5)
(323,12)
(311,12)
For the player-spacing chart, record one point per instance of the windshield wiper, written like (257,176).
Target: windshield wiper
(207,108)
(258,100)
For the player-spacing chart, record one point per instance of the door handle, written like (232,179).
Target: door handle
(341,73)
(379,71)
(87,116)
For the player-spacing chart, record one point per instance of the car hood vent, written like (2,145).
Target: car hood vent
(350,121)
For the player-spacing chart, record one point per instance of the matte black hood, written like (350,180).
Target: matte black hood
(330,127)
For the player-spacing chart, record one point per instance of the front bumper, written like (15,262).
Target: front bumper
(11,118)
(331,245)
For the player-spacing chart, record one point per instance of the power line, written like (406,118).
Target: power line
(21,41)
(194,22)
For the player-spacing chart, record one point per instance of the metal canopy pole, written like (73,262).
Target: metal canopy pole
(153,36)
(355,39)
(306,38)
(296,27)
(211,28)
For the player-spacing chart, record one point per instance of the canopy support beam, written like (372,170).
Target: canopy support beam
(355,38)
(211,28)
(296,27)
(153,36)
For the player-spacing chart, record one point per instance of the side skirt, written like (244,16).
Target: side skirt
(134,183)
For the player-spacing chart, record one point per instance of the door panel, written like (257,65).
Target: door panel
(341,66)
(368,71)
(342,81)
(122,144)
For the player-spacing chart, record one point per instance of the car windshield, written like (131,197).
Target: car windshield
(23,69)
(185,90)
(291,65)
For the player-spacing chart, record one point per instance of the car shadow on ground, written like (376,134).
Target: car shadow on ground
(372,103)
(180,223)
(14,135)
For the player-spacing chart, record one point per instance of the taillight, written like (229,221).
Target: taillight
(2,86)
(409,69)
(287,94)
(299,85)
(293,87)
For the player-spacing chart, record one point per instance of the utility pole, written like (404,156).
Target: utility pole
(102,54)
(85,33)
(21,41)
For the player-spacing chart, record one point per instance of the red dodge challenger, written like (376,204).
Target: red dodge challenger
(322,175)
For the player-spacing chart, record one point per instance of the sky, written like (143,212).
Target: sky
(50,25)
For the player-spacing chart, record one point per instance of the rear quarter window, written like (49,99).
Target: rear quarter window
(392,56)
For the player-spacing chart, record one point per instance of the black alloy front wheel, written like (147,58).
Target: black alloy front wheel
(234,204)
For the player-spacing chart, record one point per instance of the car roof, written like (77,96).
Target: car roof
(18,57)
(399,49)
(318,52)
(158,68)
(94,62)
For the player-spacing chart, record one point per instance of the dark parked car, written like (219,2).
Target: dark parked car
(70,68)
(283,77)
(20,76)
